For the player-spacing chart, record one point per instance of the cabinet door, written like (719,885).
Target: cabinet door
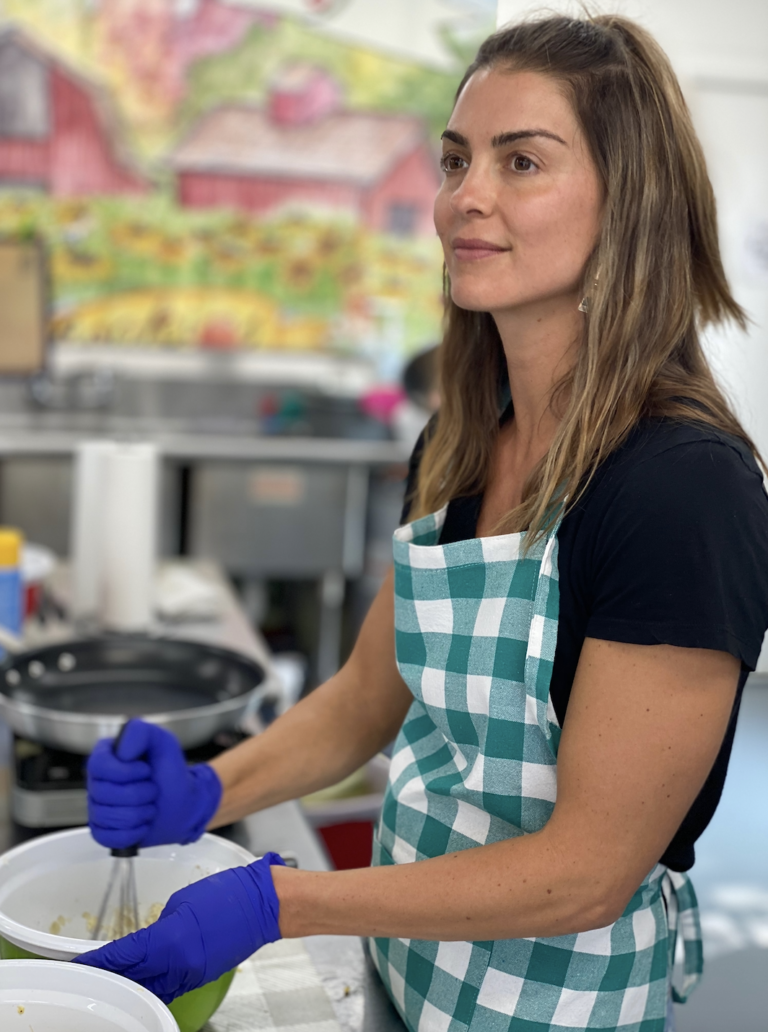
(271,519)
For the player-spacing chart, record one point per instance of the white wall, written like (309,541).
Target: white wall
(720,52)
(702,37)
(404,28)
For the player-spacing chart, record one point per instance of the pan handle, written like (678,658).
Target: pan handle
(259,694)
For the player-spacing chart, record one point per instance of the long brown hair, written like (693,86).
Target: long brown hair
(660,278)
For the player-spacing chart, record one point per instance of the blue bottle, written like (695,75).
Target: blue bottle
(11,589)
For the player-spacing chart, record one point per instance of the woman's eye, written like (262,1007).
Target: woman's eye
(452,162)
(522,164)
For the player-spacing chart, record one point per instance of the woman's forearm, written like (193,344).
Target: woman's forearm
(528,886)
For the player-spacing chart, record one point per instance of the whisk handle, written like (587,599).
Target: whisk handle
(119,738)
(129,851)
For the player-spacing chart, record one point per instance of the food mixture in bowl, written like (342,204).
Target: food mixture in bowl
(114,922)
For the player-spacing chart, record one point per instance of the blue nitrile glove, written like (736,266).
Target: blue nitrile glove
(147,795)
(204,930)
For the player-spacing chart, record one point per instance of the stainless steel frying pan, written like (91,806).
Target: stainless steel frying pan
(69,695)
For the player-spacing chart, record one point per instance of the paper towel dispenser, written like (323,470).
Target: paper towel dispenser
(24,306)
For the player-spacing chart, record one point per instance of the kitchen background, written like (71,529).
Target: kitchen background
(216,237)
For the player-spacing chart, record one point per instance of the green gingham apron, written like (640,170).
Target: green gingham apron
(475,763)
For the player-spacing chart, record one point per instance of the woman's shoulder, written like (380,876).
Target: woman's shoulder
(658,435)
(669,457)
(669,542)
(672,485)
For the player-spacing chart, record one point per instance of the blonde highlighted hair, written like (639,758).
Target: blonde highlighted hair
(660,278)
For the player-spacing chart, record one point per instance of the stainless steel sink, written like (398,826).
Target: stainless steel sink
(123,406)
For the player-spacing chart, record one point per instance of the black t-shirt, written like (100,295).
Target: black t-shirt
(668,545)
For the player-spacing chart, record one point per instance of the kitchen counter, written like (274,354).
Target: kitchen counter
(358,997)
(23,438)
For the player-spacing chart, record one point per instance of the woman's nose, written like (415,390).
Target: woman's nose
(476,192)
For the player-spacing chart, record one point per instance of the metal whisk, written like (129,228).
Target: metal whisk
(120,897)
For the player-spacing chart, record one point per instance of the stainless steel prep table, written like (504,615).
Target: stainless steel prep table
(353,985)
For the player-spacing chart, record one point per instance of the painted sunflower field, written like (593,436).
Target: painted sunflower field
(133,273)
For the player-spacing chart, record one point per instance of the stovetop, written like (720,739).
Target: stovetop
(48,790)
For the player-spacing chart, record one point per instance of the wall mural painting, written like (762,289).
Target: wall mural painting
(220,175)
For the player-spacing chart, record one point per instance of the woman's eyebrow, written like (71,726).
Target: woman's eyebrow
(523,134)
(455,137)
(503,139)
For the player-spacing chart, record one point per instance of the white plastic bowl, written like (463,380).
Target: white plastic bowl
(65,875)
(50,996)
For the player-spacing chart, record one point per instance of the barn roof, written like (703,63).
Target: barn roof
(348,145)
(107,113)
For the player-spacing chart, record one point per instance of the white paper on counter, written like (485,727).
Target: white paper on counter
(130,536)
(87,534)
(183,593)
(277,988)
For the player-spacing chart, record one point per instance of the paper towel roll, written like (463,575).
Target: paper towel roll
(130,536)
(87,528)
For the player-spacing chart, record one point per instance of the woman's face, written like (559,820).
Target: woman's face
(519,210)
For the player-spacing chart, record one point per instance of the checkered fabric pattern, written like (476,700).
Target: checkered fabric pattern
(476,762)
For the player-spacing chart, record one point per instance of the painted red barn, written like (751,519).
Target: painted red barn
(58,130)
(304,148)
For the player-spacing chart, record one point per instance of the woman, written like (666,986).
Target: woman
(576,601)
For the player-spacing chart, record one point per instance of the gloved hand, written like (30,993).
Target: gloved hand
(147,795)
(204,930)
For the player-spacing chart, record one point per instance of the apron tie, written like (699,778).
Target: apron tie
(683,919)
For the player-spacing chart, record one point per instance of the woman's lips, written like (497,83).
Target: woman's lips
(473,250)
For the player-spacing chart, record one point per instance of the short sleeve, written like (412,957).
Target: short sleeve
(680,555)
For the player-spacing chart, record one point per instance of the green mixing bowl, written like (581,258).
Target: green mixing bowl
(56,882)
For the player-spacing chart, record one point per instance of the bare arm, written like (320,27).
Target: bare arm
(643,729)
(329,734)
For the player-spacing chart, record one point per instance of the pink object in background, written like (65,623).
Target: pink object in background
(302,94)
(380,402)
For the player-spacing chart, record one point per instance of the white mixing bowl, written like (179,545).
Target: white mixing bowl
(55,884)
(50,996)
